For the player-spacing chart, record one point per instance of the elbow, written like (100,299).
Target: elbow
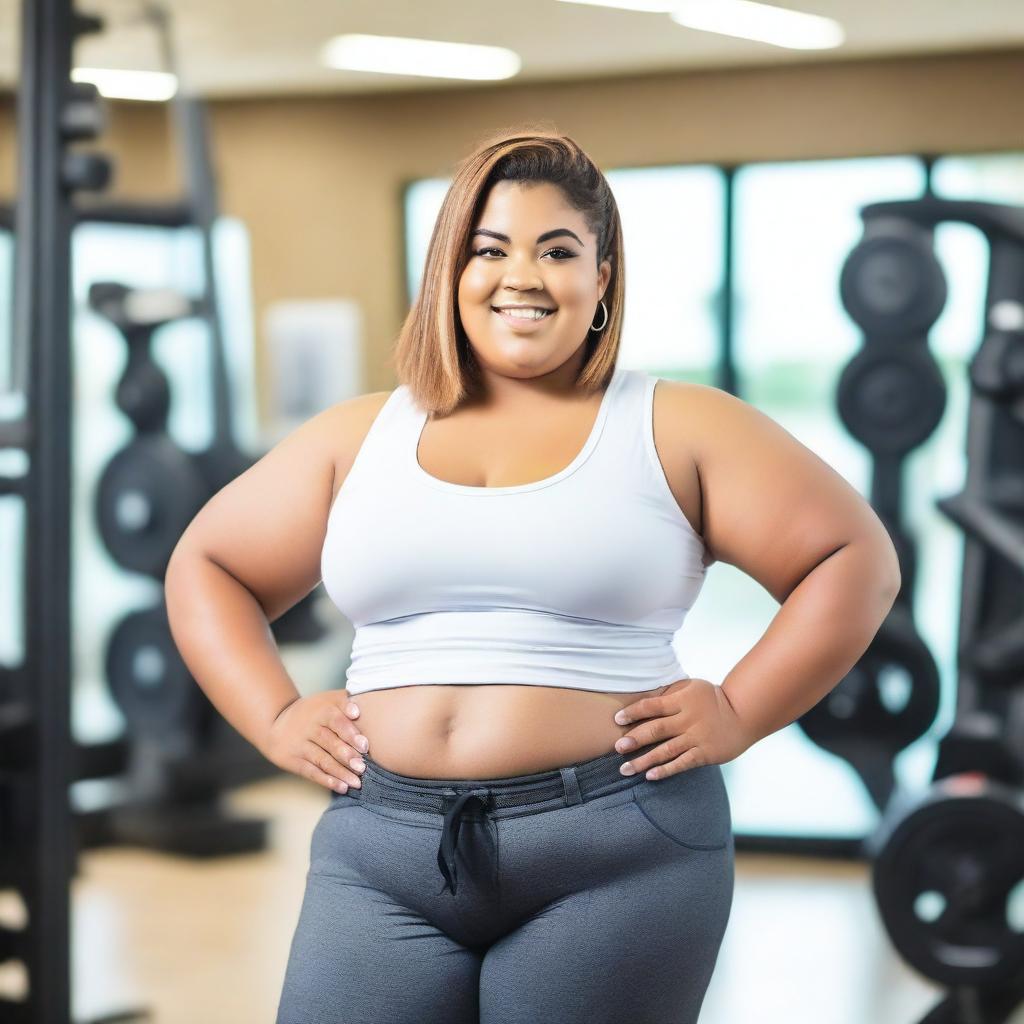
(171,583)
(880,555)
(896,583)
(178,571)
(872,566)
(885,566)
(178,556)
(891,575)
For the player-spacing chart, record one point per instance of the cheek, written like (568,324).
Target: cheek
(574,293)
(474,285)
(579,290)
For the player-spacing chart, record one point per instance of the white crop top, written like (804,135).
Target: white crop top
(577,580)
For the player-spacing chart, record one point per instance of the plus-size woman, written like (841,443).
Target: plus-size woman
(516,531)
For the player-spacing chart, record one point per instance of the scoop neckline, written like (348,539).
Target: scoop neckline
(581,456)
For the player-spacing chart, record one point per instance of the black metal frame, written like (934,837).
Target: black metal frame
(43,842)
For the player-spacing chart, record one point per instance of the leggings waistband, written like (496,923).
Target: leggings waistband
(573,784)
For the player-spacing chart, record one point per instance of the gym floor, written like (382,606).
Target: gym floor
(196,942)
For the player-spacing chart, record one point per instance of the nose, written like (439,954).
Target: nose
(520,275)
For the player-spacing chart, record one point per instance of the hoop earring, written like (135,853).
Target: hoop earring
(605,324)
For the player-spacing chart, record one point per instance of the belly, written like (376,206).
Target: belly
(487,731)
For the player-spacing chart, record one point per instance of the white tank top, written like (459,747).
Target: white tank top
(577,580)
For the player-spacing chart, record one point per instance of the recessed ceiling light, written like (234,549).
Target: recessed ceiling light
(763,23)
(644,6)
(430,58)
(129,85)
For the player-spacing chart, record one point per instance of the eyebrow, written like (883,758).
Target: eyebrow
(540,238)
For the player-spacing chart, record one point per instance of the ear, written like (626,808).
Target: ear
(604,273)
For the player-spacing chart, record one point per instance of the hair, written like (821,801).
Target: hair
(432,355)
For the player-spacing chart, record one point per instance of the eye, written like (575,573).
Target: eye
(568,254)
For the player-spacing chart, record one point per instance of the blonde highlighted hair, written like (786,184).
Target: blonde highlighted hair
(432,355)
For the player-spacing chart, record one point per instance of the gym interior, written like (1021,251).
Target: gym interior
(213,221)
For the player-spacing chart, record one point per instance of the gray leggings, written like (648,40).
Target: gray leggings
(571,896)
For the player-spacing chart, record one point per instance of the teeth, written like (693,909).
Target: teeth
(525,314)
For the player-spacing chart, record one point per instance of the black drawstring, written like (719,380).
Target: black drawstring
(450,834)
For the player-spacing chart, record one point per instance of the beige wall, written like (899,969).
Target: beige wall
(318,180)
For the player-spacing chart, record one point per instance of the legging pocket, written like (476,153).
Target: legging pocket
(691,808)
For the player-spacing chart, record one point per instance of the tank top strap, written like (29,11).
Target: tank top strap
(622,441)
(380,456)
(629,456)
(626,406)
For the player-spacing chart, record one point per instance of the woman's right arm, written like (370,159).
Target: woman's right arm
(250,554)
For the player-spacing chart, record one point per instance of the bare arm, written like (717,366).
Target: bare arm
(783,516)
(820,632)
(252,553)
(224,636)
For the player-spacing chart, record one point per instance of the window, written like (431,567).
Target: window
(775,318)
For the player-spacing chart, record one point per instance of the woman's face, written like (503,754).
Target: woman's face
(559,273)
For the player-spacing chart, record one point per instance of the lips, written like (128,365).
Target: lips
(520,320)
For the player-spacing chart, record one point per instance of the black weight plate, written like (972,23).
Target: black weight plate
(948,876)
(891,399)
(147,495)
(149,680)
(889,698)
(891,283)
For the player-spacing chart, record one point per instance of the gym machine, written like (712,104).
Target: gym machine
(182,754)
(36,754)
(947,863)
(177,756)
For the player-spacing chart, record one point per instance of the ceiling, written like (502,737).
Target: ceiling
(232,48)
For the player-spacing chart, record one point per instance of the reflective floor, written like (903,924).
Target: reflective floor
(204,942)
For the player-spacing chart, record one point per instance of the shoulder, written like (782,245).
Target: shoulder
(685,413)
(714,421)
(344,427)
(345,423)
(351,414)
(772,506)
(361,408)
(685,396)
(728,436)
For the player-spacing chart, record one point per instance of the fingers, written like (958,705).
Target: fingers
(674,755)
(346,729)
(670,758)
(310,771)
(643,739)
(642,735)
(341,742)
(646,708)
(337,770)
(346,763)
(329,753)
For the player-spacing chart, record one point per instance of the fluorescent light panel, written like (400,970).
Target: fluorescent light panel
(129,85)
(763,23)
(742,19)
(644,6)
(429,58)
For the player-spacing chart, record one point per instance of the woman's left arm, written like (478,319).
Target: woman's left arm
(821,631)
(775,510)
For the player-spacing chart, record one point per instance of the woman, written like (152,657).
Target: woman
(517,531)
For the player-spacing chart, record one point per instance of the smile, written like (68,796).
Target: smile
(521,320)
